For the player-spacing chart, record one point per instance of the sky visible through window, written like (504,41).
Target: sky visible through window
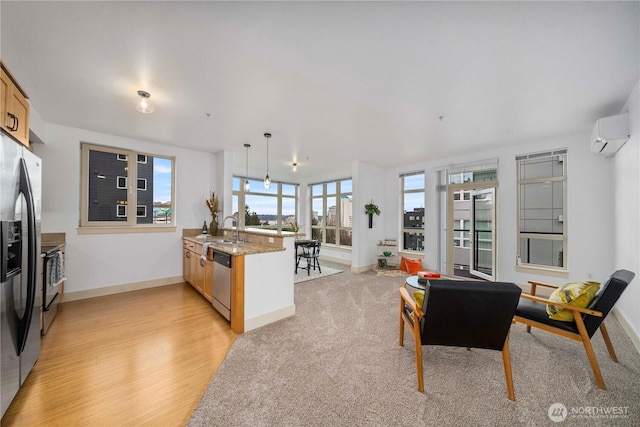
(413,200)
(161,180)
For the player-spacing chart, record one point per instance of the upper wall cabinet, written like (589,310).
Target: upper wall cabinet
(14,108)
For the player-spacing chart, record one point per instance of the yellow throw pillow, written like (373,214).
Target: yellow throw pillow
(418,297)
(577,294)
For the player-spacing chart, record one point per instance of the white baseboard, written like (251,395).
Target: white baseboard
(341,261)
(265,319)
(362,268)
(117,289)
(626,325)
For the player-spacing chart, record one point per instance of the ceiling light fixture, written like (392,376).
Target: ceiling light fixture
(267,180)
(294,167)
(247,187)
(144,105)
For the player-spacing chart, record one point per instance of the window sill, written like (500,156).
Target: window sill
(553,272)
(126,230)
(335,247)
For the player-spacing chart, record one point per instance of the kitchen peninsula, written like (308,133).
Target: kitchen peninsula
(261,273)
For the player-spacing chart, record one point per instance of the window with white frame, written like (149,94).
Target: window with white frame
(412,210)
(106,190)
(273,208)
(542,206)
(331,213)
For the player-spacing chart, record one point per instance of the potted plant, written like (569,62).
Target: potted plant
(213,205)
(370,209)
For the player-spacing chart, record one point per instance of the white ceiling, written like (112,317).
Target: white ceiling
(334,82)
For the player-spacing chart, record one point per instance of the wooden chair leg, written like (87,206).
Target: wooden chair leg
(401,340)
(586,342)
(607,341)
(417,341)
(506,359)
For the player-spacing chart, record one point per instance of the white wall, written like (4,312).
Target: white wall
(626,217)
(96,261)
(589,211)
(368,185)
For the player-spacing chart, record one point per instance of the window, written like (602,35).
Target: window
(413,195)
(272,208)
(462,233)
(122,182)
(106,172)
(332,212)
(542,205)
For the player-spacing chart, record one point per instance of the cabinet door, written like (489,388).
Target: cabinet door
(199,273)
(186,264)
(14,110)
(207,286)
(19,107)
(5,83)
(193,268)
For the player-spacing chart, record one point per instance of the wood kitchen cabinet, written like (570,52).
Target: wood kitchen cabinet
(189,262)
(14,108)
(195,270)
(207,276)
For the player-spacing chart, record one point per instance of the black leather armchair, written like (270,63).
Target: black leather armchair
(531,311)
(461,314)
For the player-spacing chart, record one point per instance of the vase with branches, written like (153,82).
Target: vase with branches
(213,204)
(294,226)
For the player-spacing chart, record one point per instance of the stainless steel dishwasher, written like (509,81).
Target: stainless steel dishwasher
(222,283)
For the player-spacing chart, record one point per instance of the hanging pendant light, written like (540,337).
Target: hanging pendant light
(247,187)
(267,180)
(144,105)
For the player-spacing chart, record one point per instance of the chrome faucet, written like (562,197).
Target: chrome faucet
(237,238)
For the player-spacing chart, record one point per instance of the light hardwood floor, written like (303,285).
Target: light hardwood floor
(131,359)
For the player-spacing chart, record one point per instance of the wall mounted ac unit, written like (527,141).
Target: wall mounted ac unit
(610,134)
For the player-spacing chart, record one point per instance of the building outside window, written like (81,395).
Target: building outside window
(542,202)
(413,202)
(107,177)
(332,212)
(273,208)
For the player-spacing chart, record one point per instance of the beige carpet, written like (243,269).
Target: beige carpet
(337,363)
(303,275)
(390,272)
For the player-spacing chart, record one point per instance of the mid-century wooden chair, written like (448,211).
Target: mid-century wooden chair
(532,311)
(461,314)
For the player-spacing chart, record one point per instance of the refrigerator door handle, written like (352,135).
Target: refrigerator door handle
(25,189)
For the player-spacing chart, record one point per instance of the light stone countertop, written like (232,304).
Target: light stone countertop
(246,248)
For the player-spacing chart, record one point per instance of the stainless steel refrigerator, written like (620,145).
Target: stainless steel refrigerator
(20,298)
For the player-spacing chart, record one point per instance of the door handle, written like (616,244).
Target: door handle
(26,190)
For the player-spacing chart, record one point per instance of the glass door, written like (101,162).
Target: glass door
(483,234)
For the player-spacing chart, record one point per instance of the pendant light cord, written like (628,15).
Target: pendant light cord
(267,180)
